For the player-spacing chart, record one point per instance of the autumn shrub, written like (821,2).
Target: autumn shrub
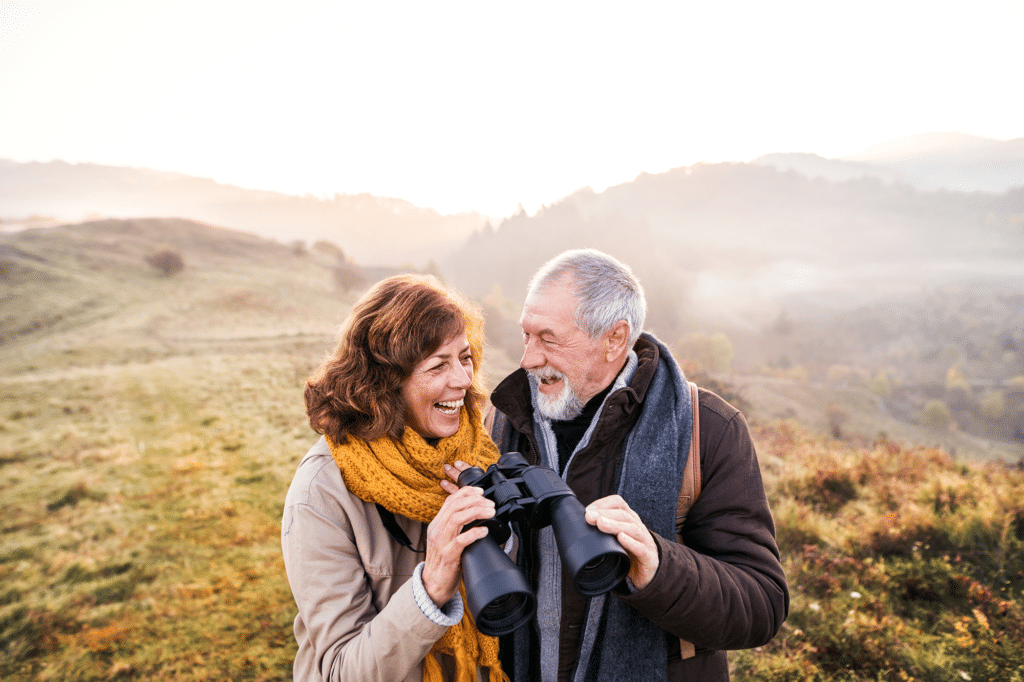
(710,352)
(935,415)
(993,405)
(798,526)
(926,590)
(825,482)
(919,576)
(167,261)
(837,415)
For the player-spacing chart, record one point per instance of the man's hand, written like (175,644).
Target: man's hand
(612,515)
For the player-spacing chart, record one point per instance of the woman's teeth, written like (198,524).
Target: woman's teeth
(449,407)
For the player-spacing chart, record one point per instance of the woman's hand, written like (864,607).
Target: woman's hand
(612,515)
(445,539)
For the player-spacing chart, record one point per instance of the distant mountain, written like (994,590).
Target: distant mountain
(952,161)
(735,244)
(929,161)
(834,170)
(372,230)
(940,146)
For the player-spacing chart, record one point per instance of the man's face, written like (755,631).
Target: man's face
(566,363)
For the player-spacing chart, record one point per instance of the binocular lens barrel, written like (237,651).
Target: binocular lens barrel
(601,574)
(498,594)
(596,560)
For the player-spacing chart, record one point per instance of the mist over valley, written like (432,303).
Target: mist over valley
(799,273)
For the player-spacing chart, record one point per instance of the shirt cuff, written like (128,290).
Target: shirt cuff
(448,615)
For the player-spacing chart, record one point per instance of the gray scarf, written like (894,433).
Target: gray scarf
(618,643)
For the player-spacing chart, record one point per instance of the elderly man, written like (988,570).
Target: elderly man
(607,407)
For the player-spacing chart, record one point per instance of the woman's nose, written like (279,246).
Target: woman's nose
(462,376)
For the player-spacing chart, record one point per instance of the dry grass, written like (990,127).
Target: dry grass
(141,520)
(904,564)
(150,428)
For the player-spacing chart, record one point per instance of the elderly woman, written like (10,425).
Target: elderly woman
(372,528)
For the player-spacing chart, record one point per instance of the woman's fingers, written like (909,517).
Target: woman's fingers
(446,540)
(462,506)
(453,470)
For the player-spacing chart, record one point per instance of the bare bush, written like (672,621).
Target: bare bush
(167,261)
(935,415)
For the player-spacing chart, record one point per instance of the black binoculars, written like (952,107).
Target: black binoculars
(499,595)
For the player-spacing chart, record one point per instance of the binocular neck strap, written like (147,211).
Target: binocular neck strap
(395,531)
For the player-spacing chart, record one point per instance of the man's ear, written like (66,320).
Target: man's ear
(616,340)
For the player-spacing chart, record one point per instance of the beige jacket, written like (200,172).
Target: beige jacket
(352,583)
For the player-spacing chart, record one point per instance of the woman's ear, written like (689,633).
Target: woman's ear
(616,340)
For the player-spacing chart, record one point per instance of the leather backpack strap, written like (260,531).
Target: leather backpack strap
(689,489)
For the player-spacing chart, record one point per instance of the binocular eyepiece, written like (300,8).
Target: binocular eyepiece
(499,595)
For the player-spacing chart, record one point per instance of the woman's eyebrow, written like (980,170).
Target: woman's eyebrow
(445,356)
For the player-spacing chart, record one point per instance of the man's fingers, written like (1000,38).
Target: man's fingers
(631,544)
(613,526)
(609,502)
(596,513)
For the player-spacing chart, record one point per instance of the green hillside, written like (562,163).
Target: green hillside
(151,425)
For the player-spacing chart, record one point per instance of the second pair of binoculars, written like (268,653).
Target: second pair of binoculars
(498,593)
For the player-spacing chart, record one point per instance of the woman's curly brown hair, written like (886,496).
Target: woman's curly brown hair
(396,325)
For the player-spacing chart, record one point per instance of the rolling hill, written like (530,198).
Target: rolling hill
(375,230)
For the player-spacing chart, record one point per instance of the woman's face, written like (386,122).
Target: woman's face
(434,393)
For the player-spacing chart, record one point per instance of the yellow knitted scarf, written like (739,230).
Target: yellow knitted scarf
(403,477)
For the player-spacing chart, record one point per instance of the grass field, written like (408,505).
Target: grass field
(142,519)
(150,427)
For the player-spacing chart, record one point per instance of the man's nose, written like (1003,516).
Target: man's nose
(532,357)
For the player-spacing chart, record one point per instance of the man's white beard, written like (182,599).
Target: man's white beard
(562,407)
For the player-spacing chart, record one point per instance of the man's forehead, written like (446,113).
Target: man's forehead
(552,306)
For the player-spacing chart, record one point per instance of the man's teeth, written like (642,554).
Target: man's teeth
(451,406)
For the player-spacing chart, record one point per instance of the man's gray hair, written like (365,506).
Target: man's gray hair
(606,291)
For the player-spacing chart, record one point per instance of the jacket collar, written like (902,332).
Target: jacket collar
(512,395)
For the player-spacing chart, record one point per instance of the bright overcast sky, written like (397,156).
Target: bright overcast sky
(483,106)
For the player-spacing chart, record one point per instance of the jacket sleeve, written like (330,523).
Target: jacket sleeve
(349,637)
(724,587)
